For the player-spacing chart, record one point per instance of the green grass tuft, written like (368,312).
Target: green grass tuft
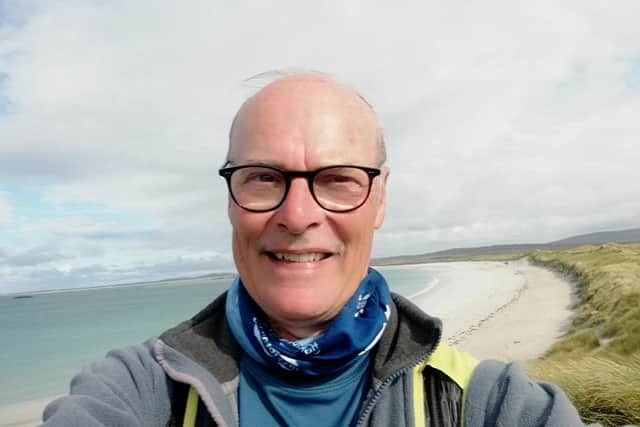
(598,362)
(604,390)
(577,343)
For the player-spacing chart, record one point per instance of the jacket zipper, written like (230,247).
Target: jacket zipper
(374,399)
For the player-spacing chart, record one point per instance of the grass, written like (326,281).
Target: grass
(598,362)
(604,390)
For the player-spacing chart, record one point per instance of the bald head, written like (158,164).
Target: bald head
(315,99)
(300,261)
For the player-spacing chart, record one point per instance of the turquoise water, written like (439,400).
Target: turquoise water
(46,339)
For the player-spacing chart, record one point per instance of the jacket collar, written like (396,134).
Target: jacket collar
(207,340)
(409,338)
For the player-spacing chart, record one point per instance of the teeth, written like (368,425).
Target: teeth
(310,257)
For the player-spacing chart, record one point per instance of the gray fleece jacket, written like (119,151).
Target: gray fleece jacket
(137,386)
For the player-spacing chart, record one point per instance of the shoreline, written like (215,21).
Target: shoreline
(24,414)
(489,309)
(510,327)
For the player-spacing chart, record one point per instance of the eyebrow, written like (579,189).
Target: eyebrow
(276,164)
(279,165)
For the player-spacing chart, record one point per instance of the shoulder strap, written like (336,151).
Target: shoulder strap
(455,364)
(184,406)
(191,409)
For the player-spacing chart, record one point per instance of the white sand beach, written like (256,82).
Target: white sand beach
(23,414)
(500,310)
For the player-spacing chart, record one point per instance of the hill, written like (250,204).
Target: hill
(598,238)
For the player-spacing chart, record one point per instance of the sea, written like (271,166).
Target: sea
(46,338)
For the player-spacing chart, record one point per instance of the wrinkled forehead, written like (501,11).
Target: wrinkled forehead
(310,113)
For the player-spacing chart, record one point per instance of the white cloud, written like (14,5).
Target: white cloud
(82,227)
(64,268)
(506,121)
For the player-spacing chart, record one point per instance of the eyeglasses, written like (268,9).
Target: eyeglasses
(340,188)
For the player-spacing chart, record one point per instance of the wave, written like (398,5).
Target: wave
(430,285)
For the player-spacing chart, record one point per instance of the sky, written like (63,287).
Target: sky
(506,122)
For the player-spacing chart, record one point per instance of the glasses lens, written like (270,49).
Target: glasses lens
(341,188)
(257,188)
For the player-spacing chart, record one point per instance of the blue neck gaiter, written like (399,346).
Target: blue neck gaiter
(351,334)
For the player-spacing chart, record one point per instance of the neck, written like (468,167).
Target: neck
(296,332)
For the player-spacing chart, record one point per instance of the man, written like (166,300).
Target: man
(308,334)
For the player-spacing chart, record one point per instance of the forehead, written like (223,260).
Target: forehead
(305,122)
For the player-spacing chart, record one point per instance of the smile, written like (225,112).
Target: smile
(299,257)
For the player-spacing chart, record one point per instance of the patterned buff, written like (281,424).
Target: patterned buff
(354,332)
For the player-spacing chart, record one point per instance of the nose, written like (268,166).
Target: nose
(299,211)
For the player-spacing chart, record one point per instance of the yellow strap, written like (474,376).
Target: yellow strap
(191,410)
(456,364)
(418,394)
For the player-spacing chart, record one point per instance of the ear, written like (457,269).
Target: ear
(382,198)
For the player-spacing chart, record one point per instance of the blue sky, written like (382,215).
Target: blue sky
(506,121)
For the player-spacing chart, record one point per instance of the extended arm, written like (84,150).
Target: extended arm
(127,388)
(502,394)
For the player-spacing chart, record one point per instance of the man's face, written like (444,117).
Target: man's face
(304,124)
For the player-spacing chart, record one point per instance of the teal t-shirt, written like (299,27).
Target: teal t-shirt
(267,400)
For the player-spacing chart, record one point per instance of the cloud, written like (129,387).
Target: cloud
(32,257)
(193,264)
(69,275)
(64,268)
(505,121)
(83,228)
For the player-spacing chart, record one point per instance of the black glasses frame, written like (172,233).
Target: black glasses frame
(288,177)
